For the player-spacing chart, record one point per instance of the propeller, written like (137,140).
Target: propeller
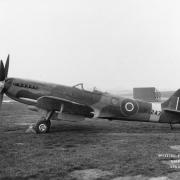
(3,76)
(7,67)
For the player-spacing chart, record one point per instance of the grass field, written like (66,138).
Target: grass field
(122,148)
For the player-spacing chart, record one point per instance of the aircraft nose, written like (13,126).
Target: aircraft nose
(8,83)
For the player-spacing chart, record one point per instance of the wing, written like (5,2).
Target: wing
(51,103)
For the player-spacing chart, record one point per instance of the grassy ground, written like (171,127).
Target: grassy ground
(123,148)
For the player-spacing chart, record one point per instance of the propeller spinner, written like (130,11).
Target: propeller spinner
(3,76)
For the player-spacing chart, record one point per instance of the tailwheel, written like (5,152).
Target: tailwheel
(42,126)
(170,123)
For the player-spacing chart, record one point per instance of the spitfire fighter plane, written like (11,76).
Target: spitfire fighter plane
(53,101)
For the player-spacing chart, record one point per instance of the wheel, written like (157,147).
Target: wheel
(42,126)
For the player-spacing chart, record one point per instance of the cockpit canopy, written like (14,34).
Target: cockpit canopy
(81,87)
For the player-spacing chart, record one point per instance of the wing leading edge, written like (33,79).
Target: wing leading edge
(51,103)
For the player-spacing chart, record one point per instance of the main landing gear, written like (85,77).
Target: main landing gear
(43,125)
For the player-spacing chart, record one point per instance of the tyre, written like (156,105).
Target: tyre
(42,126)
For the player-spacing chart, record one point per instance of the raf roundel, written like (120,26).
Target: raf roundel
(129,107)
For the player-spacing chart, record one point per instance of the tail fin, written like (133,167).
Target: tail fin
(173,103)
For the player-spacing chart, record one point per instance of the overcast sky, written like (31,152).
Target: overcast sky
(117,44)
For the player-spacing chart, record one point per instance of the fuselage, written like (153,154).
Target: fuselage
(103,105)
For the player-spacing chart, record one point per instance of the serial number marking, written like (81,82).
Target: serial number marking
(155,112)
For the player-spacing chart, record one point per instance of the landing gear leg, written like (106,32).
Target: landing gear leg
(170,124)
(43,125)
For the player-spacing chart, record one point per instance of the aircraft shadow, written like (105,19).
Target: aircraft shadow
(114,127)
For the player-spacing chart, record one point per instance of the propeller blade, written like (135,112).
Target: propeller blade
(7,67)
(2,71)
(1,99)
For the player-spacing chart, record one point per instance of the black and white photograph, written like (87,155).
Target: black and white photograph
(89,90)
